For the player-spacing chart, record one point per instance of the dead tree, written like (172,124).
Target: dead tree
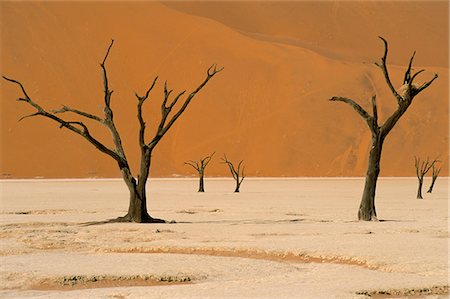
(422,168)
(404,97)
(434,174)
(137,210)
(238,174)
(200,166)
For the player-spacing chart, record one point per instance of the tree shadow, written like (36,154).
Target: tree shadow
(241,222)
(124,220)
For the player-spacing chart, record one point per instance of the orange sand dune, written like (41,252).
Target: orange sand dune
(269,106)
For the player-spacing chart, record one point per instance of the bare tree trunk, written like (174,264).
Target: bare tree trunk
(137,209)
(367,209)
(238,185)
(419,189)
(430,190)
(201,187)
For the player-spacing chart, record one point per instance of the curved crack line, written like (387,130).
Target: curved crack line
(277,256)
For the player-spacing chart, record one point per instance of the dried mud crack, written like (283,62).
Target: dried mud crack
(276,256)
(78,282)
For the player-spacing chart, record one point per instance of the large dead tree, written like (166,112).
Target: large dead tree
(404,97)
(137,210)
(200,166)
(237,173)
(434,174)
(422,168)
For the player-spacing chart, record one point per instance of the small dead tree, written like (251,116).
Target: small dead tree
(200,166)
(404,97)
(137,210)
(422,168)
(238,174)
(434,174)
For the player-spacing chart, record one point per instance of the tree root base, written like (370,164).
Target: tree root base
(146,219)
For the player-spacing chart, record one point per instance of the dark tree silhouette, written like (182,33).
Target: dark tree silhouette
(200,166)
(137,210)
(434,174)
(404,98)
(422,168)
(238,174)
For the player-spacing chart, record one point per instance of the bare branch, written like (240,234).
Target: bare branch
(166,96)
(416,165)
(426,84)
(175,100)
(237,174)
(107,52)
(69,125)
(354,105)
(205,161)
(144,97)
(82,113)
(109,117)
(210,73)
(31,115)
(422,168)
(107,92)
(163,127)
(434,176)
(374,111)
(371,121)
(141,100)
(27,98)
(414,76)
(407,77)
(213,70)
(194,164)
(383,67)
(230,166)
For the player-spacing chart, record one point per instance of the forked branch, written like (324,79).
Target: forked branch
(71,125)
(64,109)
(385,71)
(434,176)
(201,164)
(140,102)
(165,124)
(372,121)
(422,167)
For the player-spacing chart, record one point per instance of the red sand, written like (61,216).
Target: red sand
(268,107)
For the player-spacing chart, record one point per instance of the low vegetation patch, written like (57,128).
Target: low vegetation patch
(73,282)
(410,293)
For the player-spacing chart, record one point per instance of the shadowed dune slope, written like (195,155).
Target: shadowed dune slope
(269,106)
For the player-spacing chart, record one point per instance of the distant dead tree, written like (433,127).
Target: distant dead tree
(434,174)
(200,166)
(238,174)
(422,168)
(137,210)
(404,98)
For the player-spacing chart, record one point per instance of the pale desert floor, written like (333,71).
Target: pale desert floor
(278,238)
